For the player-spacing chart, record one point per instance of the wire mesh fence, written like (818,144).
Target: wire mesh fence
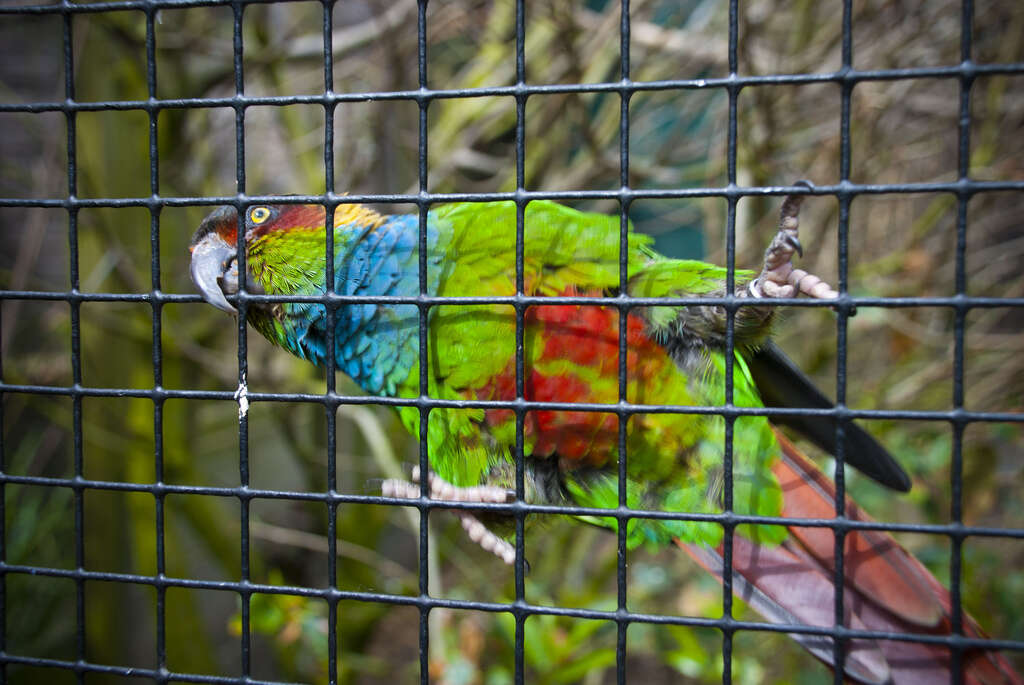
(118,498)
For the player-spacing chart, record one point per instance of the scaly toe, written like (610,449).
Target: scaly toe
(778,277)
(442,490)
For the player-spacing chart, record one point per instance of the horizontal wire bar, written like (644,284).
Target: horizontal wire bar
(618,301)
(627,195)
(620,513)
(626,86)
(622,408)
(139,5)
(519,607)
(160,676)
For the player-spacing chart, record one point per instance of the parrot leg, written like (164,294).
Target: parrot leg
(441,489)
(778,278)
(700,327)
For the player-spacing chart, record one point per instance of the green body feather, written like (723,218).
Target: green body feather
(674,459)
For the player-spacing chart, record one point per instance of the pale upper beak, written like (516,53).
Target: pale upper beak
(215,270)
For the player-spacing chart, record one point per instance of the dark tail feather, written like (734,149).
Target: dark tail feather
(885,590)
(782,384)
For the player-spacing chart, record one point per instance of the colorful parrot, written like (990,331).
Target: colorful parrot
(676,356)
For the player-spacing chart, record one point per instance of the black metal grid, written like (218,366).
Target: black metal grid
(846,78)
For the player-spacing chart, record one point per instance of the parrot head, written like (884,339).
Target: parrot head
(214,246)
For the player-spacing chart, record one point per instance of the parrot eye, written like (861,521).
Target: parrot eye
(259,214)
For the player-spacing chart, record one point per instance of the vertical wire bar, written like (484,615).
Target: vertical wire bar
(622,625)
(959,326)
(245,638)
(519,648)
(730,286)
(76,338)
(842,239)
(3,520)
(157,303)
(331,407)
(424,358)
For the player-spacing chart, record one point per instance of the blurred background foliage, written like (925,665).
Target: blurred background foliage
(900,245)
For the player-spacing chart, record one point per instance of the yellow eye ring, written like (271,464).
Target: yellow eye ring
(259,214)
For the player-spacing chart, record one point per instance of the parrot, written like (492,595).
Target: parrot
(677,355)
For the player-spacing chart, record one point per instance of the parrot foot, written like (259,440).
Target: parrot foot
(442,490)
(778,278)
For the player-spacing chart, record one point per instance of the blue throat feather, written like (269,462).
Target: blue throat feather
(375,344)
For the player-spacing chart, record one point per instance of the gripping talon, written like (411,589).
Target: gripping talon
(778,277)
(442,490)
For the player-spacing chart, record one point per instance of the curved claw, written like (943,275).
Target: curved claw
(794,242)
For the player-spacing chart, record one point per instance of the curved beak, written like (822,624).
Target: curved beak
(212,260)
